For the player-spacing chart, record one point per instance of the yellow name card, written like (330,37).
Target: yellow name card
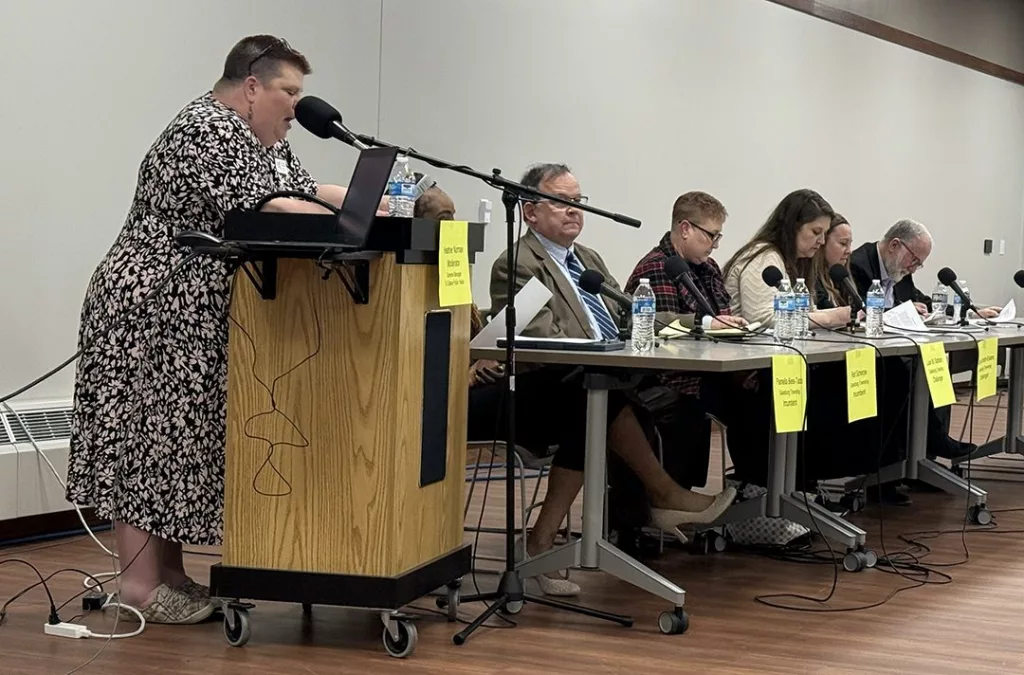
(936,370)
(861,398)
(789,390)
(988,350)
(453,264)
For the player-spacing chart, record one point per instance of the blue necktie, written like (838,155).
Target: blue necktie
(597,308)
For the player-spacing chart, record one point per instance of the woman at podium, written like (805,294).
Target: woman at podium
(148,433)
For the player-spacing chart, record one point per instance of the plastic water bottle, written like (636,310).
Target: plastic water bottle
(784,307)
(801,308)
(402,190)
(967,292)
(642,337)
(940,298)
(875,307)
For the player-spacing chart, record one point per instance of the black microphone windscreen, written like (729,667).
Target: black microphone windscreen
(316,115)
(837,273)
(591,280)
(1019,278)
(676,267)
(947,276)
(771,275)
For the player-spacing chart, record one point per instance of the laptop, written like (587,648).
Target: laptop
(349,230)
(369,180)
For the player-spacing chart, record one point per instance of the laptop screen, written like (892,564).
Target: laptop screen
(369,180)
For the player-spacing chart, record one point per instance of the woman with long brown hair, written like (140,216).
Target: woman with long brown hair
(788,240)
(836,251)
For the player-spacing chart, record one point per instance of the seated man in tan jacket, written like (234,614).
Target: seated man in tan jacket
(549,252)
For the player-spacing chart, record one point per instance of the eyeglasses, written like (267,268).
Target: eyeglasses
(715,237)
(278,42)
(914,260)
(580,199)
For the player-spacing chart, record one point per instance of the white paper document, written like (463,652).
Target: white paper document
(1008,313)
(904,317)
(530,299)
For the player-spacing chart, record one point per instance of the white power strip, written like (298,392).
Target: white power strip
(68,630)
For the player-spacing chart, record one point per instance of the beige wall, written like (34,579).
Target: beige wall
(989,29)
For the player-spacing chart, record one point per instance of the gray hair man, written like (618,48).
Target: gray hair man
(893,260)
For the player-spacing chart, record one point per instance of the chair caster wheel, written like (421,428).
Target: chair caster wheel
(980,515)
(856,561)
(404,644)
(236,627)
(674,623)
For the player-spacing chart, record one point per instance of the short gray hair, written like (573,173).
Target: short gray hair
(538,173)
(907,230)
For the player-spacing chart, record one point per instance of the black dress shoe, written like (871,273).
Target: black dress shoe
(952,449)
(918,485)
(888,494)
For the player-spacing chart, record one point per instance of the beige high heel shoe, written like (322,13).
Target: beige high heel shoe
(562,588)
(668,519)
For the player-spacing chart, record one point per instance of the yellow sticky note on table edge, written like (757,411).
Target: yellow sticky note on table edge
(936,371)
(789,392)
(453,276)
(988,357)
(861,387)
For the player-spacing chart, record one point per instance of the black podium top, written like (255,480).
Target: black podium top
(289,235)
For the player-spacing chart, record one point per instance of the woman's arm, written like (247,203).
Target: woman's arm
(836,317)
(335,194)
(289,205)
(757,299)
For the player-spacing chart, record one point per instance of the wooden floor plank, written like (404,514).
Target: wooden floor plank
(970,625)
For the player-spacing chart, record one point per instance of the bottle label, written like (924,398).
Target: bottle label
(400,189)
(778,303)
(790,304)
(643,306)
(803,302)
(875,302)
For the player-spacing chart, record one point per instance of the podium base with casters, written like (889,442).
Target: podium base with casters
(232,586)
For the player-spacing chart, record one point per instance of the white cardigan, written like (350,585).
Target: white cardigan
(752,298)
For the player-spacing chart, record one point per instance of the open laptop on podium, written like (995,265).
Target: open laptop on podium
(347,231)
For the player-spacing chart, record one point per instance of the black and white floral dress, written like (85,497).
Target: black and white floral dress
(147,442)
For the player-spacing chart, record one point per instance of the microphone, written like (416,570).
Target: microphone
(947,277)
(593,282)
(679,270)
(1019,278)
(841,277)
(322,119)
(772,276)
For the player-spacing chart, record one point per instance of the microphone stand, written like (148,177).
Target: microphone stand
(510,594)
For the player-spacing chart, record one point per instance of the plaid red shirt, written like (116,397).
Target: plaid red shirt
(672,296)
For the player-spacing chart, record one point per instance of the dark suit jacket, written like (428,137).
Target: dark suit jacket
(865,267)
(563,315)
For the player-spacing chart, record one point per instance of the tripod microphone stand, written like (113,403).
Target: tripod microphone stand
(510,594)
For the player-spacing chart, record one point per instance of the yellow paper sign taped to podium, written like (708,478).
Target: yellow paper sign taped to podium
(988,350)
(453,264)
(789,390)
(861,397)
(936,371)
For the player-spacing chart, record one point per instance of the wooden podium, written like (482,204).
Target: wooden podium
(346,424)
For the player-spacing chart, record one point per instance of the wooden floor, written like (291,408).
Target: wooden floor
(971,625)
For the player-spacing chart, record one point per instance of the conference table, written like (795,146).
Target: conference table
(604,371)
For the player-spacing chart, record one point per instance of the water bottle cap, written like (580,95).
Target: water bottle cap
(800,280)
(645,281)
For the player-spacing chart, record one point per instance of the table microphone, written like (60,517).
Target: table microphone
(593,282)
(947,277)
(772,276)
(841,277)
(679,270)
(322,119)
